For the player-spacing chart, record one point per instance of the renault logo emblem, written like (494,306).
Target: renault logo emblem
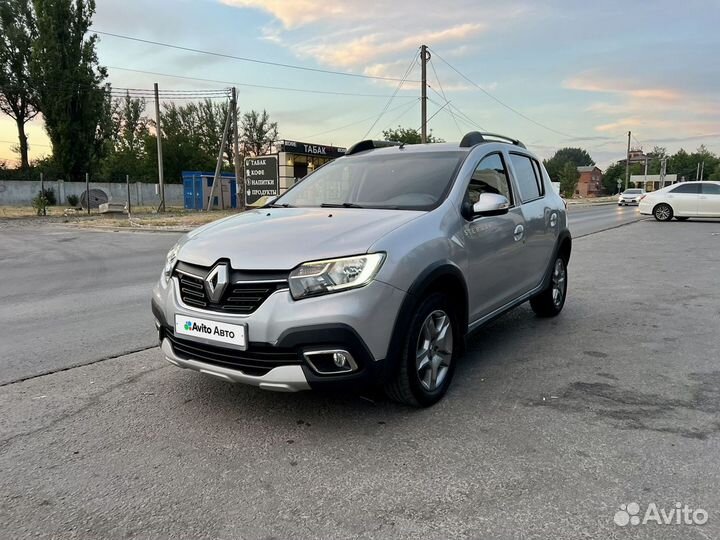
(216,282)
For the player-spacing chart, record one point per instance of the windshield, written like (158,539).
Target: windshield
(410,181)
(632,191)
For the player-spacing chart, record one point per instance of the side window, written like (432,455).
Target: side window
(539,176)
(490,176)
(687,188)
(711,189)
(526,177)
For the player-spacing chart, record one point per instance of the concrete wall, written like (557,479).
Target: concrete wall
(20,192)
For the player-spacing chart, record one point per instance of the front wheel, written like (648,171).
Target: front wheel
(427,363)
(551,301)
(663,212)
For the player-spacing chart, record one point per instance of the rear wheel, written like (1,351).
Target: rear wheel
(551,301)
(427,363)
(681,218)
(663,212)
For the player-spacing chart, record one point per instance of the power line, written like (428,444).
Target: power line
(432,65)
(262,86)
(360,121)
(243,58)
(499,101)
(408,71)
(29,143)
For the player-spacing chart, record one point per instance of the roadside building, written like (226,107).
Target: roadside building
(273,174)
(590,182)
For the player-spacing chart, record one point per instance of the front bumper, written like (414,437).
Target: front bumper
(281,379)
(282,330)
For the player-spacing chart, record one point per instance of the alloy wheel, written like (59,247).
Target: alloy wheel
(434,350)
(559,279)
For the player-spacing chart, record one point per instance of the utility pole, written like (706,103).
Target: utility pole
(424,57)
(218,167)
(702,170)
(697,173)
(42,193)
(158,128)
(627,163)
(240,184)
(87,191)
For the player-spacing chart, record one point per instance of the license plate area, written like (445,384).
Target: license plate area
(212,332)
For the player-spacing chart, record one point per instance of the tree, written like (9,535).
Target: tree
(569,177)
(257,133)
(578,156)
(125,152)
(613,174)
(408,136)
(17,32)
(67,78)
(211,118)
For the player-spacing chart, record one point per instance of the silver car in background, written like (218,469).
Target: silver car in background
(370,271)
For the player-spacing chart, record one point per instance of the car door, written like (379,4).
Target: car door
(709,201)
(493,244)
(684,199)
(540,225)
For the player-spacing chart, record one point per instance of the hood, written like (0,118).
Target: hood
(282,238)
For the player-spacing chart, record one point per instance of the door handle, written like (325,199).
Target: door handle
(519,233)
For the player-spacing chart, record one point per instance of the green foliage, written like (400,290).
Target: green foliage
(569,177)
(408,136)
(17,95)
(40,203)
(49,195)
(578,156)
(73,200)
(257,133)
(67,79)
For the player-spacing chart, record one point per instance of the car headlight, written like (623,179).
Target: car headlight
(170,261)
(334,275)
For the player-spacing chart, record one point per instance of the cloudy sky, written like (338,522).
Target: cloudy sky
(554,73)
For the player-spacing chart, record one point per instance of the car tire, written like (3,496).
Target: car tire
(663,212)
(682,218)
(551,301)
(427,363)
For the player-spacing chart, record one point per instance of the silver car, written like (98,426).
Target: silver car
(370,271)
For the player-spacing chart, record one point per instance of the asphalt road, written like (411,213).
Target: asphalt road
(589,219)
(71,296)
(549,427)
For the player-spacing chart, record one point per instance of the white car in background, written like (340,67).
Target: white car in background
(682,201)
(630,196)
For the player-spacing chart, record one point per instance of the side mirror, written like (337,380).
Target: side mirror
(491,204)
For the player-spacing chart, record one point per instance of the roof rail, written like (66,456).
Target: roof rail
(369,145)
(476,137)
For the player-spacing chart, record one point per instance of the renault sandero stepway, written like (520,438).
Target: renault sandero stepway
(369,271)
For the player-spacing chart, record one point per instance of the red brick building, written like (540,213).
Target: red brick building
(590,183)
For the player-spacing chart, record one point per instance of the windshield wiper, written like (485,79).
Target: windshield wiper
(283,205)
(341,205)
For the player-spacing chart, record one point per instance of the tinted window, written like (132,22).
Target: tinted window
(527,181)
(687,188)
(632,191)
(539,176)
(490,176)
(407,181)
(711,189)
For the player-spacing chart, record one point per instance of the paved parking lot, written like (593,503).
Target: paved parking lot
(550,426)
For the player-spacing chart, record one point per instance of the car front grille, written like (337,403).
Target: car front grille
(257,360)
(244,293)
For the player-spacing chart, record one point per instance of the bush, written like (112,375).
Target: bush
(40,203)
(73,200)
(49,195)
